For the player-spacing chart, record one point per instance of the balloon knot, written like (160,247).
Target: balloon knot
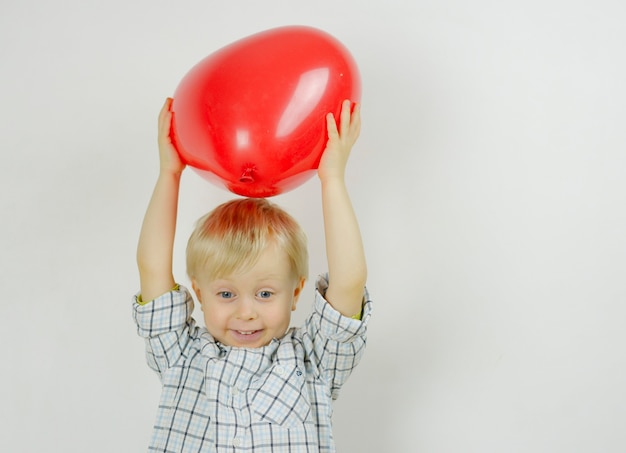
(247,175)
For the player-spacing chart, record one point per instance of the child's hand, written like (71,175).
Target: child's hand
(169,159)
(340,142)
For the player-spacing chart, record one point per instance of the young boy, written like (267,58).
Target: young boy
(247,382)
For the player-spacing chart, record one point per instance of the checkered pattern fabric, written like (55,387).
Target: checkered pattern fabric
(276,398)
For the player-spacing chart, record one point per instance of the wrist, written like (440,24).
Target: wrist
(332,180)
(170,172)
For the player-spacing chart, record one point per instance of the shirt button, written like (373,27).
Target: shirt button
(236,442)
(280,370)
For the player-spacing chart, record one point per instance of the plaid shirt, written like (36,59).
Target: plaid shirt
(277,398)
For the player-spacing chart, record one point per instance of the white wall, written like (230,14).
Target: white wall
(489,181)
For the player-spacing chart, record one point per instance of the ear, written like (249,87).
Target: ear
(296,292)
(196,289)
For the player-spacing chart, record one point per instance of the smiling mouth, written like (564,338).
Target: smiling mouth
(246,338)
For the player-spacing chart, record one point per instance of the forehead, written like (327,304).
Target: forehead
(272,262)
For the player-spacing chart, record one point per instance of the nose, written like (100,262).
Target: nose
(246,309)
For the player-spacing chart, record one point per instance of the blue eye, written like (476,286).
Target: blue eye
(225,294)
(265,294)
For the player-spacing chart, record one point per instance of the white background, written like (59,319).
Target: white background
(489,182)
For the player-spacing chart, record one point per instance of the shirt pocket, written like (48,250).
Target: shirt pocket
(280,397)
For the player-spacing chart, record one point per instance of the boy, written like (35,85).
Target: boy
(247,382)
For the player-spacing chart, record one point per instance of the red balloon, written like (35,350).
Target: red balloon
(251,116)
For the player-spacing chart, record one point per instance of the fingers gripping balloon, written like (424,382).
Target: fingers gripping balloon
(251,116)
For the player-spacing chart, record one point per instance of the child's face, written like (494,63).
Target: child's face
(250,308)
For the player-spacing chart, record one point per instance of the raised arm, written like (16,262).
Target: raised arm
(156,240)
(347,269)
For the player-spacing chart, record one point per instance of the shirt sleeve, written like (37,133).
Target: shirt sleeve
(335,343)
(165,323)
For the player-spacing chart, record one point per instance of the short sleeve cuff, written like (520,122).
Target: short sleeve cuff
(333,324)
(166,313)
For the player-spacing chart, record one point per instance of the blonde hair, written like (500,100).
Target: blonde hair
(233,236)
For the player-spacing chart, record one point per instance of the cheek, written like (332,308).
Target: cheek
(280,314)
(213,315)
